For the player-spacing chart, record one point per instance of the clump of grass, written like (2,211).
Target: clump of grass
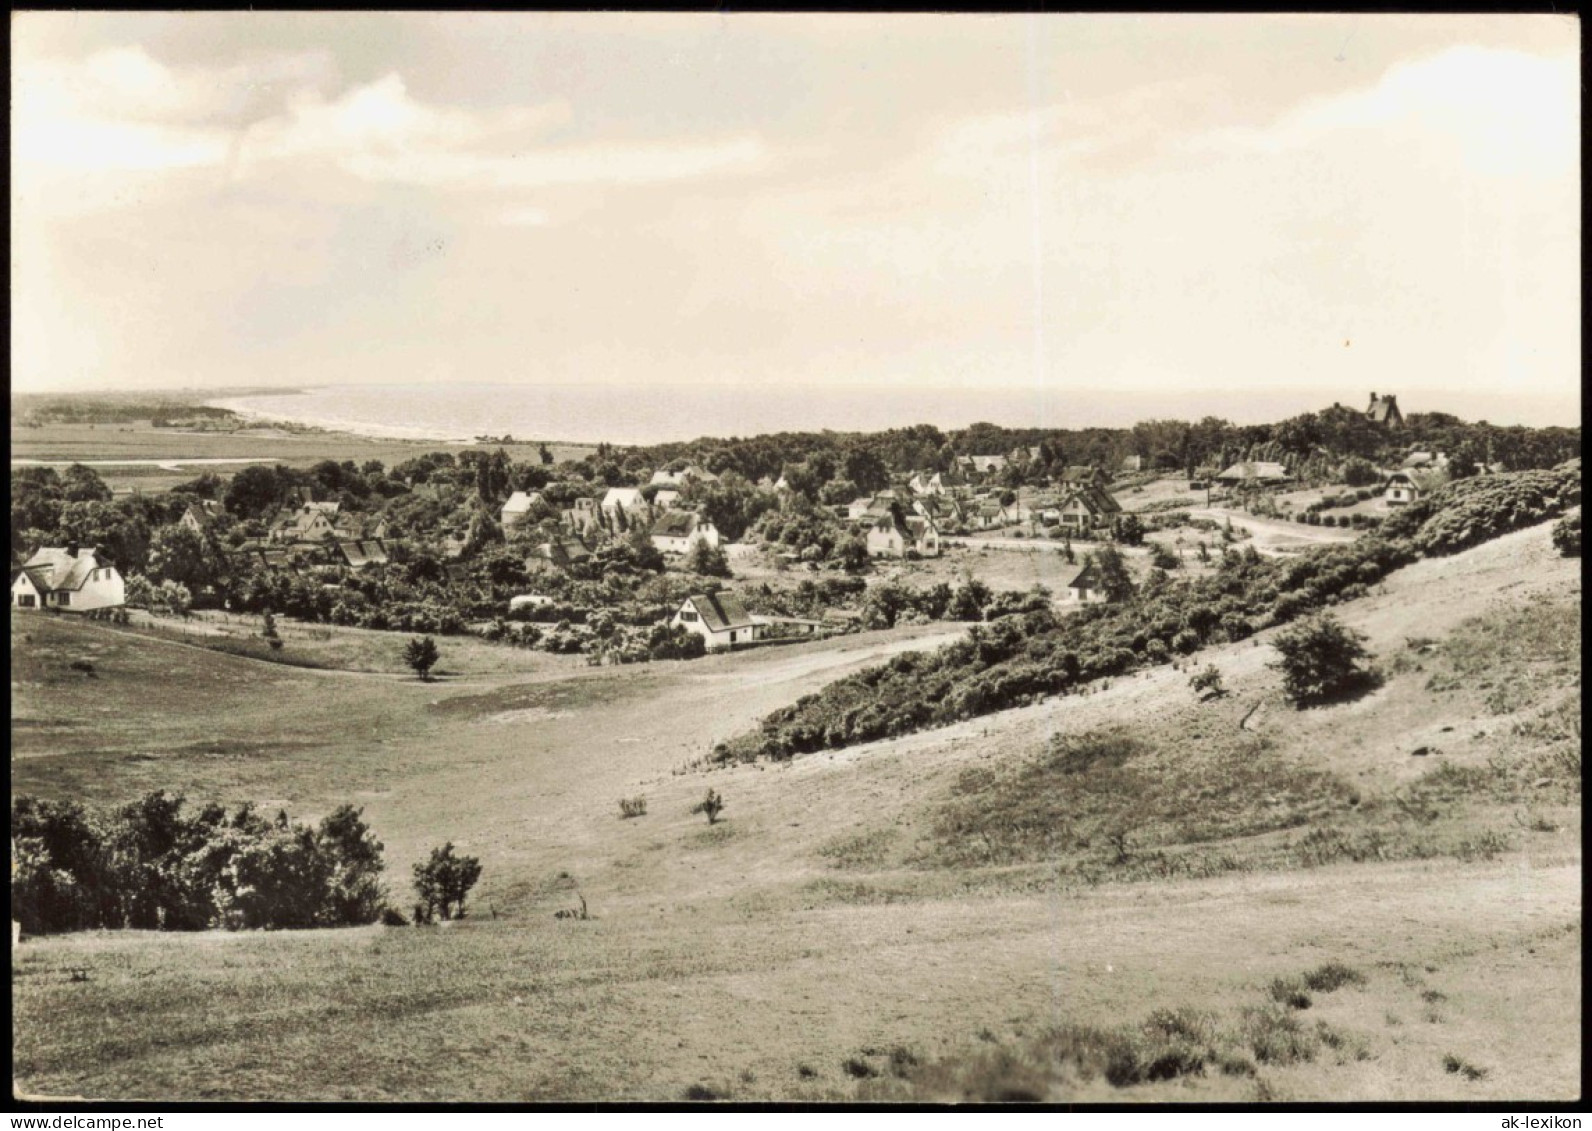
(1432,997)
(703,1093)
(1454,1066)
(806,1071)
(858,1068)
(632,807)
(1276,1037)
(1289,992)
(902,1060)
(1330,976)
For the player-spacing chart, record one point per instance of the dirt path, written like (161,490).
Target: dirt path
(1274,537)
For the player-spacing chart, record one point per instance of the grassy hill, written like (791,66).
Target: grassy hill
(1119,894)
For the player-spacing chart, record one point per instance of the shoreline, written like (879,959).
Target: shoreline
(335,426)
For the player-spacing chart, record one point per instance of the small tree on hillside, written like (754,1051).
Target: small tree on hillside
(421,654)
(707,560)
(1113,571)
(443,882)
(1207,683)
(1567,535)
(1128,530)
(711,805)
(1321,660)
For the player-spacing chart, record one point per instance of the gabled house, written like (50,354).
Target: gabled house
(559,554)
(627,502)
(858,508)
(357,553)
(514,511)
(201,516)
(308,522)
(676,532)
(892,537)
(719,618)
(1087,507)
(1081,475)
(1406,486)
(945,510)
(925,484)
(1133,463)
(71,578)
(666,498)
(359,527)
(987,465)
(1087,585)
(1260,473)
(1384,410)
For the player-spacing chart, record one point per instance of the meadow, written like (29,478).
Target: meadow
(1128,893)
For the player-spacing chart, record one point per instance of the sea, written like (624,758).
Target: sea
(656,414)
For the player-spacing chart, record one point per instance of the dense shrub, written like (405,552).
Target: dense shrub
(1321,659)
(151,865)
(1567,536)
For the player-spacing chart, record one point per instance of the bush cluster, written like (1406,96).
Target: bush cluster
(151,865)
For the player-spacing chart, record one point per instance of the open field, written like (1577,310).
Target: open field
(68,442)
(902,919)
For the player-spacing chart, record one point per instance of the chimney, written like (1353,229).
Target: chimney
(1373,398)
(71,549)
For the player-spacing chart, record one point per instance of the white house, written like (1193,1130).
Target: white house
(889,537)
(1087,586)
(676,532)
(200,516)
(691,473)
(1087,507)
(666,498)
(626,499)
(1404,487)
(518,506)
(529,601)
(719,618)
(77,580)
(922,484)
(858,507)
(310,522)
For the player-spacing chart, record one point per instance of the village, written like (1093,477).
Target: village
(921,526)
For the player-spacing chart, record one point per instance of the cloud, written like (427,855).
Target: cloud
(1508,112)
(97,132)
(523,217)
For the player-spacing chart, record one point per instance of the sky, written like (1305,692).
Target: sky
(1128,202)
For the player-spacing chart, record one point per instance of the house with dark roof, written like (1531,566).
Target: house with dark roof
(691,473)
(719,618)
(676,532)
(1384,410)
(1087,585)
(357,553)
(559,554)
(1081,475)
(201,516)
(1086,507)
(71,578)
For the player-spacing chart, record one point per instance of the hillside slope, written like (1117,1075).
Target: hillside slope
(970,912)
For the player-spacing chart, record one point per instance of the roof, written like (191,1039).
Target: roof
(623,496)
(721,611)
(675,524)
(1381,408)
(53,567)
(1079,473)
(1260,470)
(520,502)
(1086,578)
(360,552)
(1094,500)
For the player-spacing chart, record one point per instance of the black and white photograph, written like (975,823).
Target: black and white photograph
(795,559)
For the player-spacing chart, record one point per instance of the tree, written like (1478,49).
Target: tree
(177,553)
(1207,683)
(1321,660)
(544,454)
(421,654)
(711,805)
(443,882)
(1112,569)
(1567,535)
(1128,530)
(707,560)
